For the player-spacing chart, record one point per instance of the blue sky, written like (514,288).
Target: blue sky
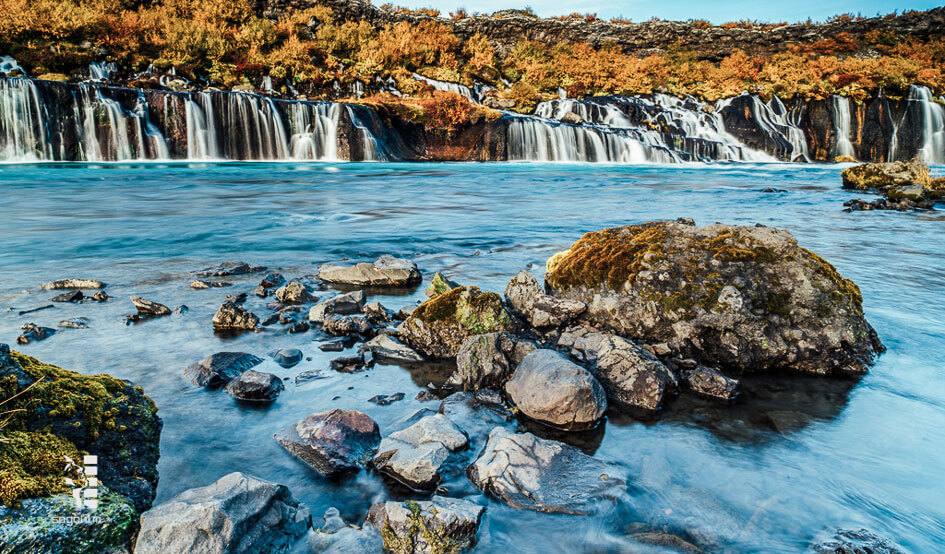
(716,12)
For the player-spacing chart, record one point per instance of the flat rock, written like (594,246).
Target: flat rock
(74,323)
(428,526)
(255,386)
(386,399)
(415,455)
(488,360)
(201,284)
(343,304)
(237,513)
(74,296)
(295,292)
(387,271)
(287,357)
(218,369)
(229,268)
(547,476)
(549,388)
(149,308)
(73,283)
(388,348)
(334,442)
(233,317)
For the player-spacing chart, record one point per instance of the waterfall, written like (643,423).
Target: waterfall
(314,131)
(201,130)
(447,86)
(22,122)
(535,139)
(932,149)
(841,125)
(776,122)
(8,65)
(102,71)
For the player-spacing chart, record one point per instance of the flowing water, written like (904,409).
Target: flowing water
(793,458)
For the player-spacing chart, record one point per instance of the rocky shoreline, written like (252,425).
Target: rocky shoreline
(629,320)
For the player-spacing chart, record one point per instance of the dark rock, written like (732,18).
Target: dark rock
(75,296)
(237,513)
(348,364)
(347,325)
(333,346)
(234,317)
(181,310)
(32,310)
(287,357)
(299,327)
(34,333)
(100,296)
(255,386)
(218,369)
(74,323)
(527,472)
(672,542)
(387,271)
(739,298)
(294,292)
(415,455)
(439,326)
(73,283)
(261,292)
(272,319)
(555,391)
(404,312)
(488,360)
(271,281)
(710,382)
(229,268)
(386,399)
(859,541)
(377,313)
(148,309)
(430,526)
(489,396)
(334,442)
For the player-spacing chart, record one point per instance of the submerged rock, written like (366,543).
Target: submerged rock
(434,526)
(73,283)
(237,513)
(74,323)
(34,333)
(255,386)
(555,391)
(488,360)
(229,268)
(439,326)
(219,369)
(440,284)
(415,455)
(287,357)
(295,292)
(742,298)
(527,299)
(74,296)
(386,399)
(334,442)
(855,541)
(387,271)
(233,317)
(385,347)
(547,476)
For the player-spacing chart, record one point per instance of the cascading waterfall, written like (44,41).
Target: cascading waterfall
(314,131)
(777,122)
(841,125)
(933,125)
(448,86)
(102,71)
(534,139)
(22,122)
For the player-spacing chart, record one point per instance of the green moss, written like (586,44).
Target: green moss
(881,176)
(845,288)
(32,464)
(477,312)
(437,539)
(612,257)
(440,284)
(729,246)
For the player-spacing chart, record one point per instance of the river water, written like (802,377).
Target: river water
(795,458)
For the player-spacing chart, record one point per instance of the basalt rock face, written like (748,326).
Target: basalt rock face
(740,298)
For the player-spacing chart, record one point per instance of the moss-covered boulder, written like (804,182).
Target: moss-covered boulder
(55,415)
(906,183)
(439,326)
(740,298)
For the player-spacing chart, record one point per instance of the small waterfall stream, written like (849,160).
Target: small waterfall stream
(932,117)
(841,120)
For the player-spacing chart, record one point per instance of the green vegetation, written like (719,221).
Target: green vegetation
(437,539)
(612,256)
(475,311)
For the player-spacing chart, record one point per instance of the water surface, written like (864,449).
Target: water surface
(794,458)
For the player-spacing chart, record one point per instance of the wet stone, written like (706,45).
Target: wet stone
(334,442)
(74,323)
(74,296)
(220,368)
(386,399)
(287,357)
(255,386)
(34,333)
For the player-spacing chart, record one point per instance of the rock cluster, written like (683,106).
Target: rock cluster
(903,185)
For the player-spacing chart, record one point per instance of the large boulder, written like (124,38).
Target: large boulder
(54,415)
(238,513)
(635,381)
(883,176)
(547,476)
(439,326)
(488,360)
(742,298)
(415,455)
(528,300)
(387,271)
(333,443)
(549,388)
(218,369)
(435,526)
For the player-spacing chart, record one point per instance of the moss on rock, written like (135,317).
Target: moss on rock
(612,256)
(882,176)
(439,326)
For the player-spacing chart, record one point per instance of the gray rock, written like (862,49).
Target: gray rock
(343,304)
(547,476)
(415,455)
(634,380)
(734,297)
(404,312)
(74,323)
(387,271)
(100,296)
(386,399)
(428,526)
(710,382)
(34,333)
(201,284)
(287,357)
(527,299)
(149,308)
(74,296)
(334,442)
(377,313)
(271,281)
(255,386)
(388,348)
(218,369)
(238,513)
(233,317)
(338,537)
(347,325)
(549,388)
(73,283)
(488,360)
(294,292)
(348,364)
(229,268)
(332,346)
(855,541)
